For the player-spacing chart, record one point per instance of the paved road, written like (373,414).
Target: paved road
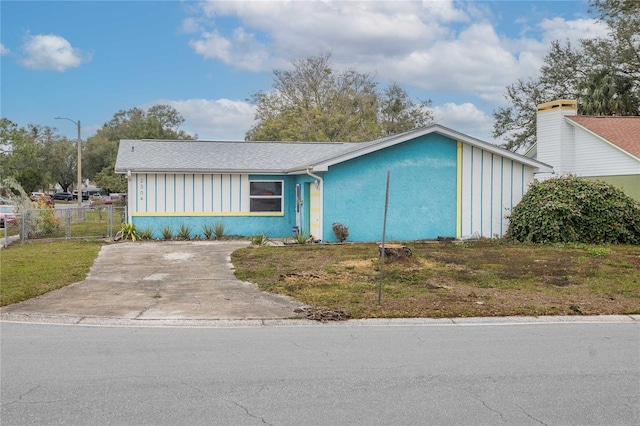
(488,374)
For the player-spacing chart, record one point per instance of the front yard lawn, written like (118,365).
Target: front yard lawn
(485,278)
(35,268)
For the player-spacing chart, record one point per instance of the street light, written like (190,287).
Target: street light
(77,123)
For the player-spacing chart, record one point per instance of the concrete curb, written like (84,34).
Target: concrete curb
(375,322)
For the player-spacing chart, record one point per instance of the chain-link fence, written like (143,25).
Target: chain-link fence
(65,223)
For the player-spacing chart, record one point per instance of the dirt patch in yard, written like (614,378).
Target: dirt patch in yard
(485,278)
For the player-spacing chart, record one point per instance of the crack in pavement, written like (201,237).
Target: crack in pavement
(309,349)
(479,398)
(20,396)
(249,413)
(530,416)
(155,303)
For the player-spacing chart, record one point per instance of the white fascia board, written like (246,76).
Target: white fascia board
(203,171)
(597,136)
(435,128)
(542,167)
(369,148)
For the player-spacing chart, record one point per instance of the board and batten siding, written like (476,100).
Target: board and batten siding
(195,201)
(489,186)
(217,194)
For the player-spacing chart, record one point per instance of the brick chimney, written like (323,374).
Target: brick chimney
(555,138)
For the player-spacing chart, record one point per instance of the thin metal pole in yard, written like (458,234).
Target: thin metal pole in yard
(384,232)
(23,220)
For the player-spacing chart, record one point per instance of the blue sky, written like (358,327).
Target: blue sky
(86,60)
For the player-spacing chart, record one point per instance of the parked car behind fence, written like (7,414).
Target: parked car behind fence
(64,196)
(8,215)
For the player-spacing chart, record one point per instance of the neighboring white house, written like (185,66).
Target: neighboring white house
(596,147)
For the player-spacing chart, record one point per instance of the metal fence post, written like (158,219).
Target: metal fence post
(67,230)
(110,221)
(23,219)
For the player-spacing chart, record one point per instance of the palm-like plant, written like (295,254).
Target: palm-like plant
(607,93)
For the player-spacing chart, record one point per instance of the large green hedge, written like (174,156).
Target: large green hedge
(571,209)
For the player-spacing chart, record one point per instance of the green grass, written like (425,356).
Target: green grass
(36,268)
(93,224)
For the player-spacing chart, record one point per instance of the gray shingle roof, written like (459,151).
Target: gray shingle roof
(217,156)
(264,157)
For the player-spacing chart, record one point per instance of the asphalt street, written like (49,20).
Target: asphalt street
(484,373)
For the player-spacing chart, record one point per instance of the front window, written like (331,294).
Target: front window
(265,196)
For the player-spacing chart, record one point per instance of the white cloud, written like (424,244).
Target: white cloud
(190,26)
(442,46)
(560,29)
(215,119)
(276,32)
(224,119)
(465,118)
(4,50)
(212,45)
(51,52)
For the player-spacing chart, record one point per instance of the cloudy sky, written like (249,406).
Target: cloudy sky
(86,60)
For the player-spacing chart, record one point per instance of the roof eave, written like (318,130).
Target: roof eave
(434,128)
(124,170)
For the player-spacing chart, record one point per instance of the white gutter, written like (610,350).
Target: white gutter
(319,184)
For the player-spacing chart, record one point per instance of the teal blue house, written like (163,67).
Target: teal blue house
(442,183)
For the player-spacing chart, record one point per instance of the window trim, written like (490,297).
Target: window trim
(267,197)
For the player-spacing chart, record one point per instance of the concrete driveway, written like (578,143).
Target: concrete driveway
(159,281)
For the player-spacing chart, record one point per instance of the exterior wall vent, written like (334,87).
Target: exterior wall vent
(559,104)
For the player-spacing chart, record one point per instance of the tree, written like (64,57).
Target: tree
(28,155)
(579,73)
(109,181)
(314,102)
(398,113)
(98,153)
(61,161)
(564,66)
(158,122)
(607,93)
(31,179)
(101,150)
(620,51)
(21,148)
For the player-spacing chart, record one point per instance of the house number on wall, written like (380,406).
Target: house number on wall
(141,189)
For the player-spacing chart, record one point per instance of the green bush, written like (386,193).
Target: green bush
(575,210)
(259,240)
(129,231)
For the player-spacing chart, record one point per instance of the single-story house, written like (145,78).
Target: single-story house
(442,183)
(595,147)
